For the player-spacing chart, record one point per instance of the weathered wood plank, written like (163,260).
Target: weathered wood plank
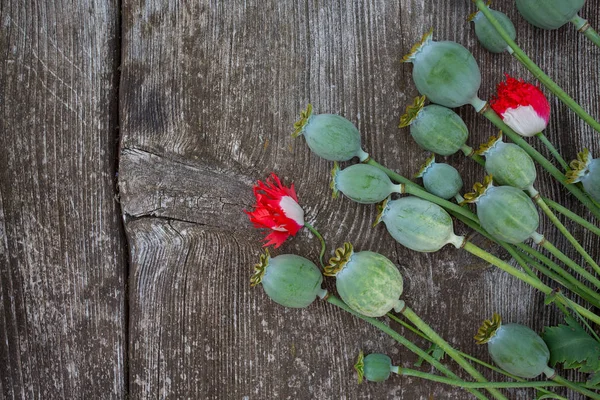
(212,89)
(62,253)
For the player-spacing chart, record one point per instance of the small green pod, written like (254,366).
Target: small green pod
(515,348)
(435,128)
(368,282)
(587,171)
(362,183)
(549,14)
(288,279)
(487,35)
(446,72)
(418,224)
(375,367)
(505,212)
(508,163)
(330,136)
(440,179)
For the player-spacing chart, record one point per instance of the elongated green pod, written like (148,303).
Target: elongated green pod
(375,367)
(549,14)
(368,282)
(330,136)
(418,224)
(435,128)
(440,179)
(505,212)
(290,280)
(487,35)
(445,72)
(515,348)
(586,170)
(362,183)
(508,163)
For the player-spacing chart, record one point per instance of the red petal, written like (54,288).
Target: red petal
(514,93)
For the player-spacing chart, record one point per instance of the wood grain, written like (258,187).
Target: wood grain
(62,251)
(209,94)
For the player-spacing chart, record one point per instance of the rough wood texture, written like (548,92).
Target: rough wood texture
(210,91)
(62,252)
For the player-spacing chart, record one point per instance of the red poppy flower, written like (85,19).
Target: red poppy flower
(276,209)
(522,106)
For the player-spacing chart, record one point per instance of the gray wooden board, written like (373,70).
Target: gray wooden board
(62,249)
(209,93)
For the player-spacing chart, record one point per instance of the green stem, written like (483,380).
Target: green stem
(445,346)
(465,355)
(574,386)
(536,283)
(552,150)
(587,295)
(572,216)
(401,340)
(547,165)
(588,32)
(572,264)
(416,190)
(318,235)
(540,202)
(478,385)
(576,286)
(535,70)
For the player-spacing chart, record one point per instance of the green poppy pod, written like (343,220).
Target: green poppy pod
(440,179)
(505,212)
(515,348)
(368,282)
(587,171)
(418,224)
(362,183)
(435,128)
(508,163)
(375,367)
(446,72)
(288,279)
(549,14)
(330,136)
(488,35)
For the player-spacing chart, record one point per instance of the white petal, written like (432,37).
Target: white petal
(292,210)
(524,120)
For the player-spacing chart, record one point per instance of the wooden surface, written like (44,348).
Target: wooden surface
(205,95)
(63,308)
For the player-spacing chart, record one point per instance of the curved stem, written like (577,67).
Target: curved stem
(535,70)
(478,385)
(536,283)
(572,216)
(547,165)
(575,387)
(572,264)
(401,340)
(318,235)
(437,339)
(583,26)
(416,190)
(552,150)
(540,202)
